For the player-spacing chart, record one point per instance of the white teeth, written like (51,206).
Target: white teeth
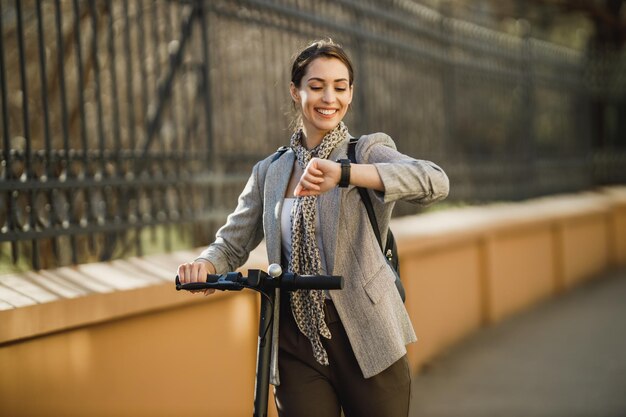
(327,112)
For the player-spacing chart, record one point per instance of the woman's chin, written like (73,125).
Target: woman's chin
(327,125)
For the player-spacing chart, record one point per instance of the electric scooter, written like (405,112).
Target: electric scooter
(265,283)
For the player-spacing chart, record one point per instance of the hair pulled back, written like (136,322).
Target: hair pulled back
(325,48)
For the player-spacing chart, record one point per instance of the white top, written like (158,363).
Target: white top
(285,231)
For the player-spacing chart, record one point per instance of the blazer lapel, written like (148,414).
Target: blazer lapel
(329,209)
(276,182)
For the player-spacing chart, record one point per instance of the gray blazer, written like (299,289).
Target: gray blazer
(369,306)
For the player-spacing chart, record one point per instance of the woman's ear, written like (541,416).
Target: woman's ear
(295,95)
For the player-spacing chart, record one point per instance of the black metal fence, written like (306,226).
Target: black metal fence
(134,122)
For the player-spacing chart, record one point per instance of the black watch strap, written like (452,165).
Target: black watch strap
(344,181)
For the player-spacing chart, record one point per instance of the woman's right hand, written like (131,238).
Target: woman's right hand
(196,271)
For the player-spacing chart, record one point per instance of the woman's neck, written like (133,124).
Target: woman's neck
(311,139)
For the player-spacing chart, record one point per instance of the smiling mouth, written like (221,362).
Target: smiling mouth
(326,112)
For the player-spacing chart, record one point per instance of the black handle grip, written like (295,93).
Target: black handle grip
(191,286)
(211,282)
(292,282)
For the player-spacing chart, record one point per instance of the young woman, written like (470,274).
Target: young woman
(332,350)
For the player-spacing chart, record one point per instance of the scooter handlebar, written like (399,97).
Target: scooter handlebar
(291,282)
(234,281)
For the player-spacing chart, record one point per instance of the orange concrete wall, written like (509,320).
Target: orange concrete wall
(109,339)
(585,247)
(520,269)
(195,360)
(617,237)
(443,297)
(617,229)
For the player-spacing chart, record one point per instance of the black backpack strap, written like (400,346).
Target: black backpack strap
(279,152)
(390,249)
(365,197)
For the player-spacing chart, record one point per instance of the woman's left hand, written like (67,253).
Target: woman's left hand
(320,175)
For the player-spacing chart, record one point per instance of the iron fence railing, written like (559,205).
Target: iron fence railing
(130,122)
(103,107)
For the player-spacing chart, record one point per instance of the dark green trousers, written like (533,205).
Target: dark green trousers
(310,389)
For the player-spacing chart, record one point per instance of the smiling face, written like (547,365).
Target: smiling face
(323,96)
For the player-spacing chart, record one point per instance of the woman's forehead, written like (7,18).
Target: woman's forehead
(327,69)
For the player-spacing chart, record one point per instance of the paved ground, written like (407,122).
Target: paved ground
(564,358)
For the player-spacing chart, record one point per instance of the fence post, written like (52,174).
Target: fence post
(358,100)
(6,143)
(527,139)
(28,152)
(448,79)
(203,18)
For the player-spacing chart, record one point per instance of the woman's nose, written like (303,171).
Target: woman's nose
(329,95)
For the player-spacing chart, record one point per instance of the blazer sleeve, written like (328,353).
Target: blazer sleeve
(243,230)
(412,180)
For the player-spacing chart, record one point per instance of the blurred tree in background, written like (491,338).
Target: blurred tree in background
(573,23)
(597,27)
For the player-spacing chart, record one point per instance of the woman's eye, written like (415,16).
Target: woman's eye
(341,89)
(315,88)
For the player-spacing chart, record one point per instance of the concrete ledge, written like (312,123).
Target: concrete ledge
(37,303)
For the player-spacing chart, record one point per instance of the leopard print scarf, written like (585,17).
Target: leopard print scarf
(307,306)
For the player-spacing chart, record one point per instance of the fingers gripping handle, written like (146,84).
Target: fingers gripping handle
(230,281)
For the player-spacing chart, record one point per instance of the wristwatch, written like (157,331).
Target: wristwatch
(344,181)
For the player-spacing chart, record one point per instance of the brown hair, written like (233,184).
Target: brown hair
(323,48)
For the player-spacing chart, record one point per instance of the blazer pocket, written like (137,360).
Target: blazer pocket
(381,282)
